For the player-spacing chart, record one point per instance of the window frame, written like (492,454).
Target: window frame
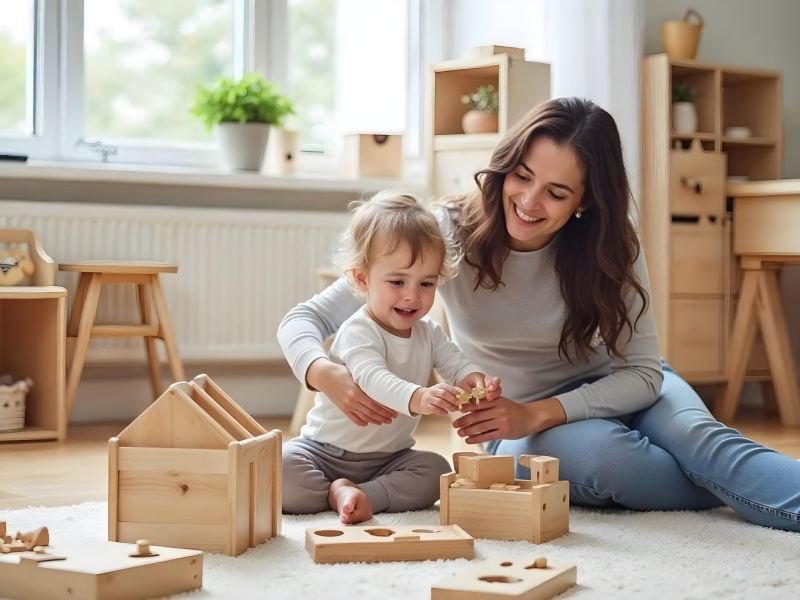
(260,43)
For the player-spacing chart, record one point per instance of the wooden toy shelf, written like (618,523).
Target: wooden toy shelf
(687,219)
(32,344)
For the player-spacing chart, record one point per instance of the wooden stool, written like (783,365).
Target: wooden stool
(81,325)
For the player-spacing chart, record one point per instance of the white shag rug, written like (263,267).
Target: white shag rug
(620,554)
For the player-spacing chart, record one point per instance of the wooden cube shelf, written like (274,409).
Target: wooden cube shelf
(32,344)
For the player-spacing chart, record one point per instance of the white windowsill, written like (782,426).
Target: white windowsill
(188,185)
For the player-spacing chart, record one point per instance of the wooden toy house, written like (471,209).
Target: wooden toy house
(483,497)
(194,470)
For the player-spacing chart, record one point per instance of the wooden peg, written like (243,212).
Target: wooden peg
(462,397)
(142,550)
(479,393)
(540,562)
(38,537)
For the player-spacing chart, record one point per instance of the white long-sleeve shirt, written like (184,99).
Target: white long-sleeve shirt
(389,369)
(513,332)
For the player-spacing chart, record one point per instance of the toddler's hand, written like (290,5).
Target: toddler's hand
(438,399)
(479,380)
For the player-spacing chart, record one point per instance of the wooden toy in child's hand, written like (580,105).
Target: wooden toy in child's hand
(479,393)
(462,397)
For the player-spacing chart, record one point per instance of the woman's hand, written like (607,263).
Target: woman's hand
(336,382)
(507,420)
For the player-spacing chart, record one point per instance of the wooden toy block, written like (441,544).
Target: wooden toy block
(194,470)
(386,544)
(487,469)
(98,570)
(497,579)
(544,469)
(502,510)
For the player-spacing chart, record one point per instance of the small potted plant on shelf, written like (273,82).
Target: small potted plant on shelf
(243,112)
(482,117)
(684,112)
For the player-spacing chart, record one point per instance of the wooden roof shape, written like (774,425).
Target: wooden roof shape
(191,415)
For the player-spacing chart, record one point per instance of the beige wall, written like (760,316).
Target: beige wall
(759,34)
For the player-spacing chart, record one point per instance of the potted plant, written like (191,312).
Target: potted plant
(482,117)
(684,112)
(242,112)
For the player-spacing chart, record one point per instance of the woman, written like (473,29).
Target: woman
(552,296)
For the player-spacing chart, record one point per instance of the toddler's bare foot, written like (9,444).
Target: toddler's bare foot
(350,501)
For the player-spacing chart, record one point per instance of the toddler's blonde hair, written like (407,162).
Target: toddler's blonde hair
(391,219)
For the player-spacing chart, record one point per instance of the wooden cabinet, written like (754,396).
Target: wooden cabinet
(453,156)
(685,214)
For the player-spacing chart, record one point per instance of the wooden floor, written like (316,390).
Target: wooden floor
(51,474)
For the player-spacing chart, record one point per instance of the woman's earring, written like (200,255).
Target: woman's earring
(578,214)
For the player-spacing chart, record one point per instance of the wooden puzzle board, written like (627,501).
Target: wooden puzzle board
(503,579)
(99,570)
(376,543)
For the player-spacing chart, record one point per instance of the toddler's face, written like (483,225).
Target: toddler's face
(399,295)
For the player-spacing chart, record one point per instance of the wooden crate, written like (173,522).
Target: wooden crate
(481,498)
(371,155)
(194,470)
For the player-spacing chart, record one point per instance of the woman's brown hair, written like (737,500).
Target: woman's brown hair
(594,255)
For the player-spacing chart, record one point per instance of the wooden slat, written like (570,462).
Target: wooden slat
(226,402)
(172,497)
(174,459)
(125,331)
(113,489)
(226,421)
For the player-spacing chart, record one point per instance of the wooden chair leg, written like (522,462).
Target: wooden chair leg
(84,333)
(742,339)
(153,367)
(166,332)
(779,348)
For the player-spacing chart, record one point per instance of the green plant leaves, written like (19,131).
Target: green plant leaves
(251,99)
(484,99)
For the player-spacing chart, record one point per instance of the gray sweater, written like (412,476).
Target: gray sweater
(513,333)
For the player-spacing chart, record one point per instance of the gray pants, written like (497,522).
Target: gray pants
(393,481)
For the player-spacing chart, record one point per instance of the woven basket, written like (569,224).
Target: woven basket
(12,405)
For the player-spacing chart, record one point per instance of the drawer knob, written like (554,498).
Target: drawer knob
(695,184)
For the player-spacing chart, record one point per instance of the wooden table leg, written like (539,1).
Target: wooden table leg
(77,308)
(153,366)
(84,333)
(779,348)
(742,339)
(166,332)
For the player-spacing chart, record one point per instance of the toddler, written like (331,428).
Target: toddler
(395,254)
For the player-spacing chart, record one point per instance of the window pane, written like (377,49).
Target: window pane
(16,36)
(142,60)
(312,28)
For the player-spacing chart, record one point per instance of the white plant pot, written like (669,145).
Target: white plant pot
(242,145)
(684,117)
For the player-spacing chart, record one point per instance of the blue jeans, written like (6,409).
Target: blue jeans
(671,456)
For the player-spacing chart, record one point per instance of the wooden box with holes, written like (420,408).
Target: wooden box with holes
(196,471)
(484,498)
(373,544)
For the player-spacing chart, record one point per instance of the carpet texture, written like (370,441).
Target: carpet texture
(620,554)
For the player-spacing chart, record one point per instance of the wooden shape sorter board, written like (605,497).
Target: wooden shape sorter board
(385,544)
(99,570)
(499,579)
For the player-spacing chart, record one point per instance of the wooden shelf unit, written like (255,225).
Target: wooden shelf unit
(454,157)
(32,330)
(686,234)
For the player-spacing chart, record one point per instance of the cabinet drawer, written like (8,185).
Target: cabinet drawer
(698,257)
(454,170)
(697,183)
(696,336)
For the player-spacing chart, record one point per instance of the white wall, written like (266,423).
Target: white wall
(749,33)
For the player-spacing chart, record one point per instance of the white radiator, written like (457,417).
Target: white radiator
(239,272)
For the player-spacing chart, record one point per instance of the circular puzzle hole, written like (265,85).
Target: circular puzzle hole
(329,532)
(499,579)
(380,532)
(423,531)
(506,564)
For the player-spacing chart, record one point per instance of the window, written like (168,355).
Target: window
(142,59)
(91,80)
(16,66)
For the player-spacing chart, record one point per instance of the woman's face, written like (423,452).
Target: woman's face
(541,194)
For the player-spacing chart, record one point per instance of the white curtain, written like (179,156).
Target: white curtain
(594,48)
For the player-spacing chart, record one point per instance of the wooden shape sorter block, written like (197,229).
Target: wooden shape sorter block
(534,510)
(194,470)
(499,579)
(98,570)
(386,544)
